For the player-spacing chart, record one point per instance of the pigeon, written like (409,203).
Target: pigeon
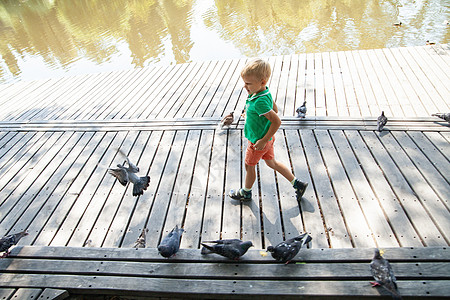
(10,240)
(227,120)
(140,242)
(287,250)
(381,121)
(170,244)
(128,174)
(301,111)
(382,272)
(444,116)
(231,248)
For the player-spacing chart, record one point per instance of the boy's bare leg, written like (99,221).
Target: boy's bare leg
(250,176)
(280,168)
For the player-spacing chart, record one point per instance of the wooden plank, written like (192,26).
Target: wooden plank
(82,198)
(366,84)
(45,226)
(6,293)
(291,91)
(163,196)
(231,214)
(60,166)
(80,97)
(427,104)
(438,57)
(70,98)
(180,197)
(235,96)
(94,100)
(431,203)
(218,271)
(226,86)
(252,229)
(386,89)
(289,206)
(351,210)
(18,188)
(133,214)
(54,294)
(437,93)
(211,227)
(26,293)
(224,288)
(283,77)
(195,209)
(194,89)
(139,218)
(270,208)
(310,85)
(423,163)
(215,87)
(330,96)
(349,90)
(12,146)
(321,109)
(424,225)
(165,92)
(403,228)
(336,72)
(436,157)
(373,214)
(203,95)
(337,234)
(110,98)
(361,98)
(100,197)
(336,255)
(311,215)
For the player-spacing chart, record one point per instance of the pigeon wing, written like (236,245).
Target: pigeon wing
(121,175)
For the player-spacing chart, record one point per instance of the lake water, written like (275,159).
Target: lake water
(52,38)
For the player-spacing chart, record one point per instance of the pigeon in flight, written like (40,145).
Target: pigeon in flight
(170,244)
(301,111)
(287,250)
(227,120)
(10,240)
(128,174)
(231,248)
(382,272)
(140,242)
(444,116)
(381,121)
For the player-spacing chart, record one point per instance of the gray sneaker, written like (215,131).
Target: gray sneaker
(240,195)
(300,188)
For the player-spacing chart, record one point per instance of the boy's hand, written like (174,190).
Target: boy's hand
(259,145)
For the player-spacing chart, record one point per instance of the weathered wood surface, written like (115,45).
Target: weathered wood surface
(366,188)
(404,82)
(314,272)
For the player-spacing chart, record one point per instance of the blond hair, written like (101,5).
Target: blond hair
(258,68)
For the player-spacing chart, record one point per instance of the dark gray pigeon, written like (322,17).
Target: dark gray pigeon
(140,242)
(287,250)
(381,121)
(301,111)
(227,120)
(170,244)
(128,174)
(382,272)
(10,240)
(444,116)
(231,248)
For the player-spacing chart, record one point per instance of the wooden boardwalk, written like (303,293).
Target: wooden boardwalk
(367,189)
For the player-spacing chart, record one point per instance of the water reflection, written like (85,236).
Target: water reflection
(43,38)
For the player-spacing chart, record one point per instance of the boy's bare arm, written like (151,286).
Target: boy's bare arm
(275,124)
(275,107)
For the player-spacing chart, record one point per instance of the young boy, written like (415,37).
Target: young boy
(261,123)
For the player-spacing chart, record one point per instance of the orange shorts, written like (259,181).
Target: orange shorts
(252,156)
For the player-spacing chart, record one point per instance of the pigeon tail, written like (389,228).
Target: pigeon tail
(141,185)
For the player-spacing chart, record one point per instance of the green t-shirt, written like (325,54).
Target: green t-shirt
(257,125)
